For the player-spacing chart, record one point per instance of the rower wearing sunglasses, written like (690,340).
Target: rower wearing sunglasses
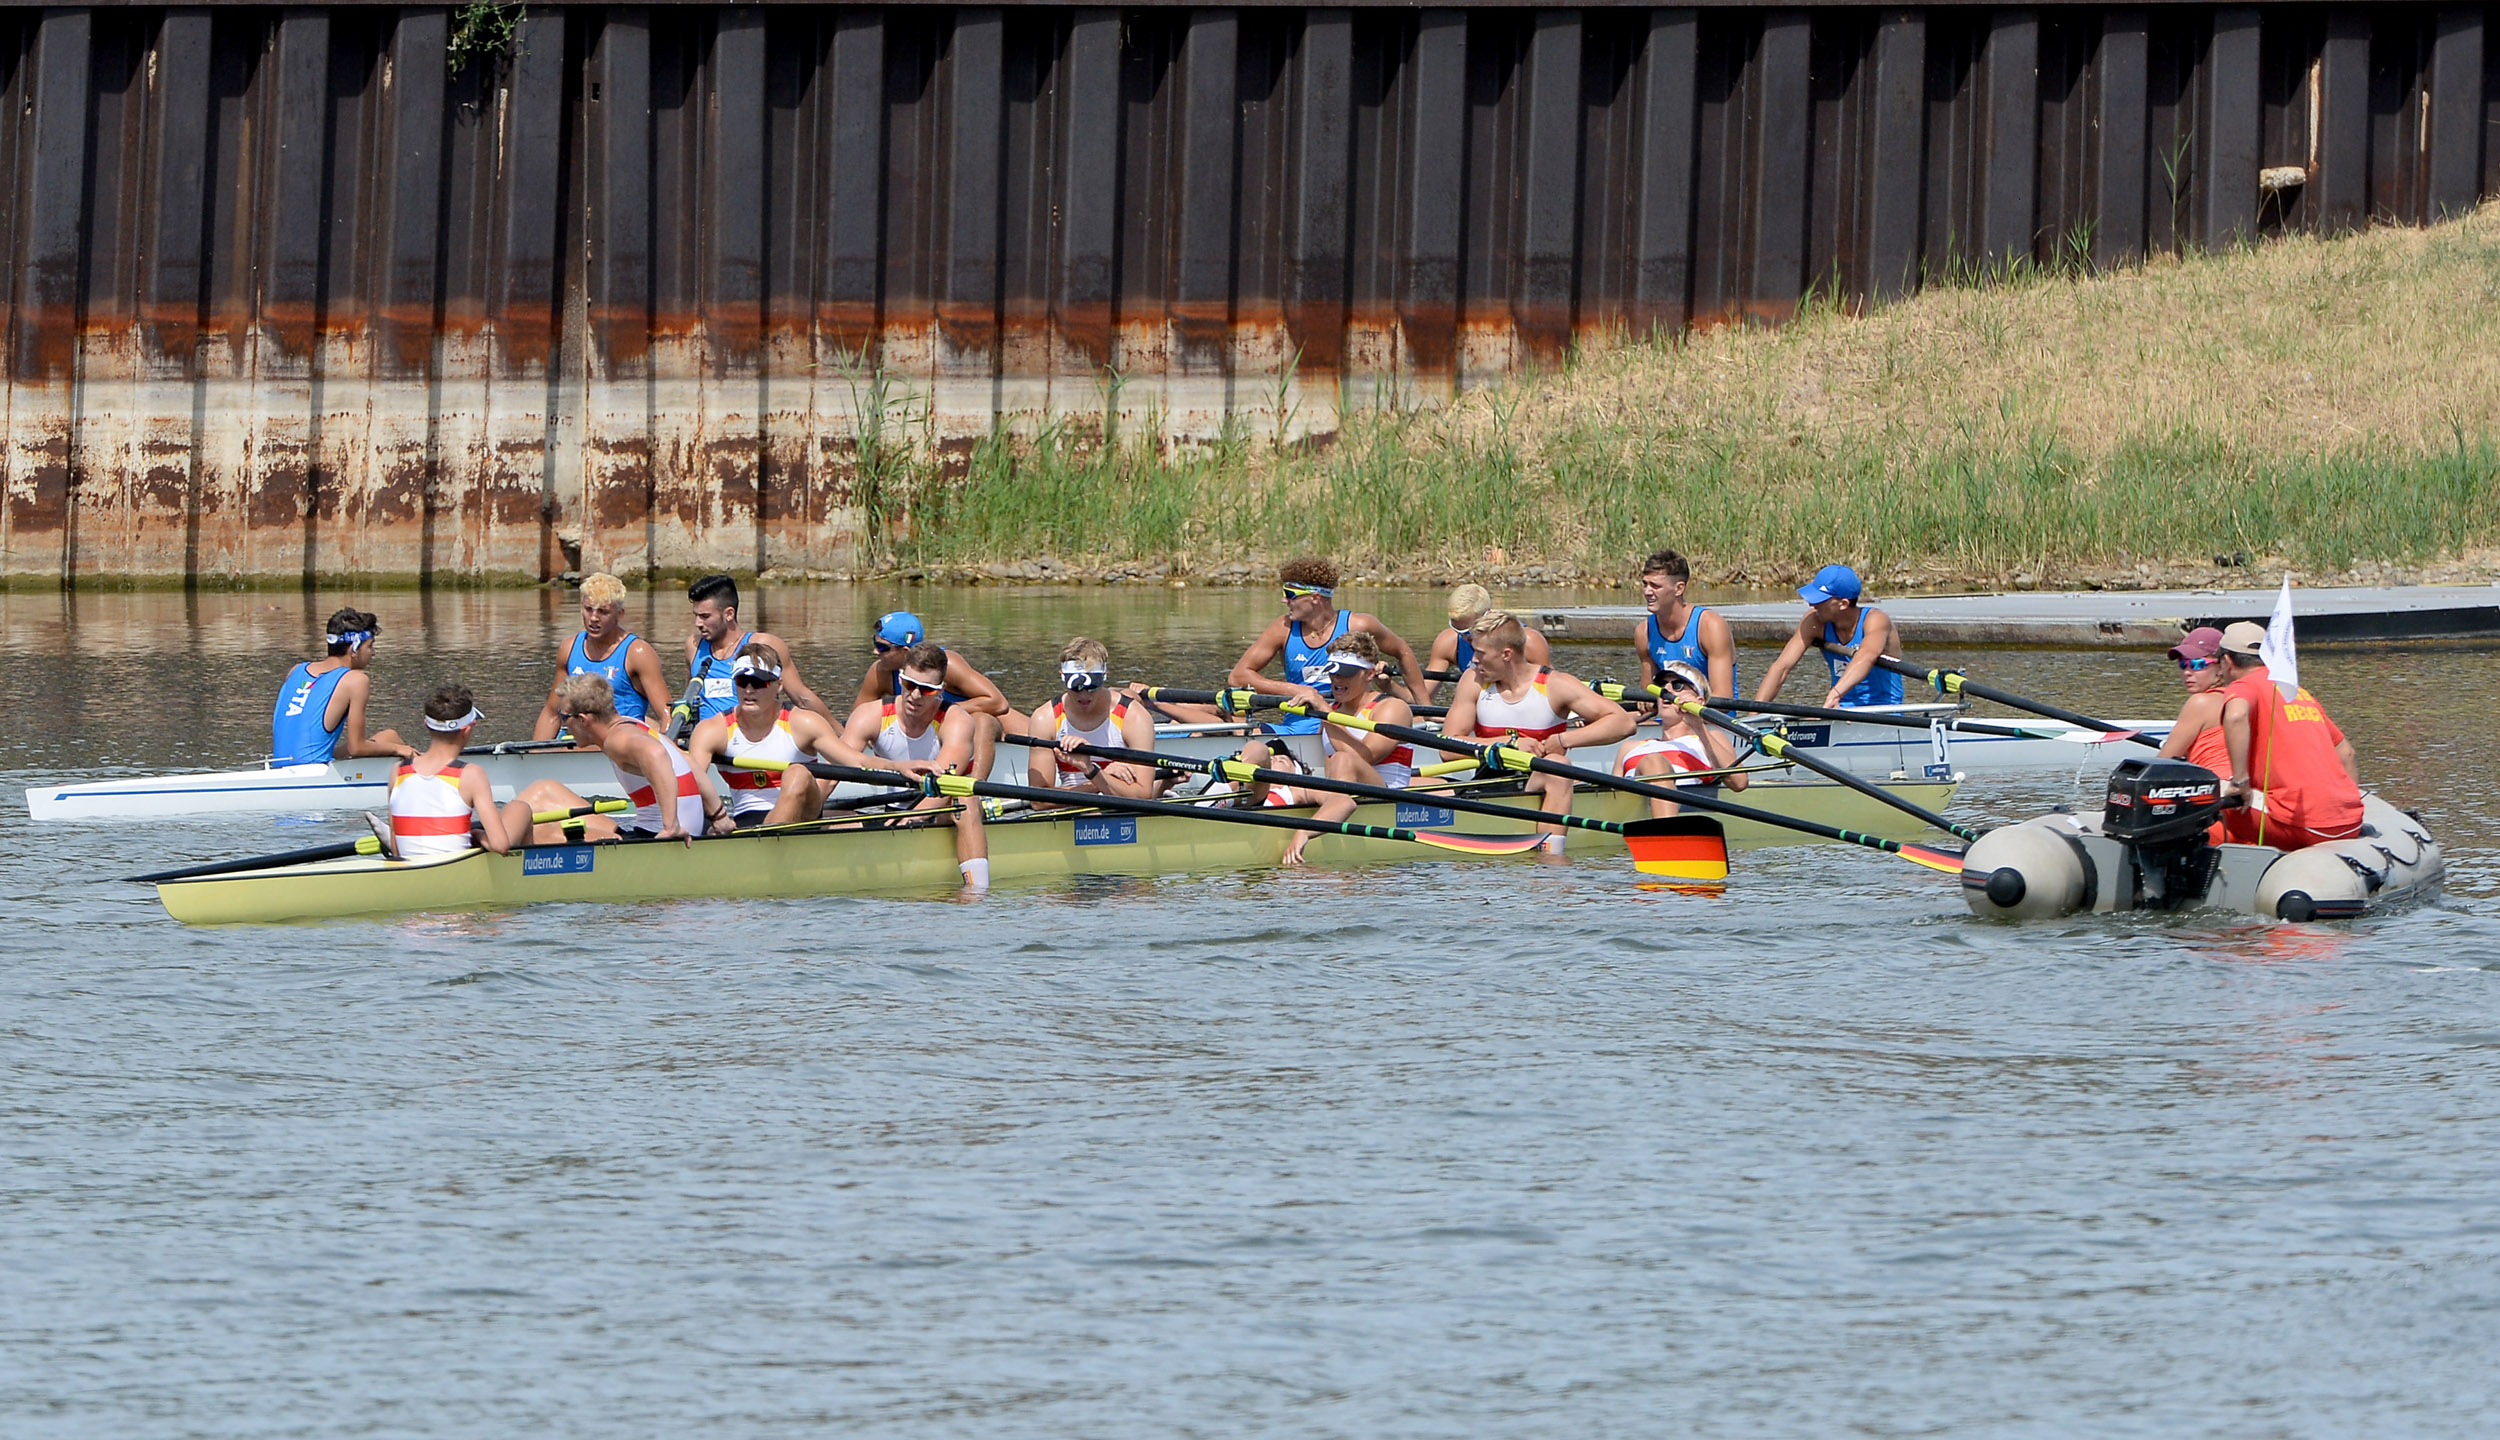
(1089,712)
(1356,684)
(1683,744)
(764,726)
(916,733)
(898,633)
(1310,627)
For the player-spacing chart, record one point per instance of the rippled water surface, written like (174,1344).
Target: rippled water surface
(1455,1148)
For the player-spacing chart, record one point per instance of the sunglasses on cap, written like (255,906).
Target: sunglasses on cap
(917,687)
(2205,664)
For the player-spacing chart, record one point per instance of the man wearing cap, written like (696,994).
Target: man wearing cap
(2298,772)
(1089,712)
(764,727)
(1454,650)
(321,707)
(1834,617)
(605,648)
(1684,746)
(897,633)
(716,642)
(2196,736)
(1678,631)
(437,798)
(1302,637)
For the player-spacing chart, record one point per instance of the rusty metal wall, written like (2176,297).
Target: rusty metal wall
(293,295)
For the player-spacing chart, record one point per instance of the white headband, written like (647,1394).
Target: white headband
(749,665)
(454,727)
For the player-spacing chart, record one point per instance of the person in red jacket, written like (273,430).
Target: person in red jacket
(2297,770)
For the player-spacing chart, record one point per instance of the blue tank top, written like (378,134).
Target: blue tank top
(707,684)
(629,702)
(297,732)
(1307,664)
(1880,687)
(1661,649)
(1465,659)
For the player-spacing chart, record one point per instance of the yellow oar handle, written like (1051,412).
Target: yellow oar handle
(756,762)
(557,817)
(1446,767)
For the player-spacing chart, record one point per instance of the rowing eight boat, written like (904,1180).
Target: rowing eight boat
(802,861)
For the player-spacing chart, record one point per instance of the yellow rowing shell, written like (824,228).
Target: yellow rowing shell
(889,859)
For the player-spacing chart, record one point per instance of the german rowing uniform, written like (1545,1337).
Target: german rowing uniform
(753,792)
(1687,649)
(298,730)
(1307,664)
(708,686)
(629,702)
(428,815)
(1880,687)
(1397,768)
(893,743)
(1685,754)
(646,802)
(1071,767)
(1531,715)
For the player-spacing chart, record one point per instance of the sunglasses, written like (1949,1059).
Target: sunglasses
(1297,592)
(915,687)
(753,682)
(2205,664)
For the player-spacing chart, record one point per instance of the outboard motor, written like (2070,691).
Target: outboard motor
(2160,811)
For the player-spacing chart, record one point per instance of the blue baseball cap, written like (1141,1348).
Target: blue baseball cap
(1832,582)
(900,628)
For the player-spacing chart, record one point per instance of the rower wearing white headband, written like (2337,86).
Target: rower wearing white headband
(1356,685)
(1684,745)
(1089,712)
(437,798)
(764,726)
(320,714)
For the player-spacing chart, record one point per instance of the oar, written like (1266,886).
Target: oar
(363,845)
(959,786)
(1617,690)
(1506,757)
(1241,701)
(1954,682)
(1689,847)
(517,747)
(1778,748)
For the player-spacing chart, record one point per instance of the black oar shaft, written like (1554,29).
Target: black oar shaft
(952,784)
(1780,749)
(306,856)
(1954,682)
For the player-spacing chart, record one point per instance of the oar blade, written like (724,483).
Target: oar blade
(1681,847)
(1466,844)
(1948,861)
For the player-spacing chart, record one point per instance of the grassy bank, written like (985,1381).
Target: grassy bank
(2330,406)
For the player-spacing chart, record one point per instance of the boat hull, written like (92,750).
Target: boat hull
(891,859)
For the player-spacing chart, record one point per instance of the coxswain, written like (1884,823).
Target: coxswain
(2297,772)
(1509,698)
(1684,745)
(1357,686)
(1310,627)
(606,649)
(915,732)
(1454,654)
(437,798)
(898,632)
(320,714)
(672,799)
(1089,712)
(1678,631)
(716,642)
(1834,616)
(764,726)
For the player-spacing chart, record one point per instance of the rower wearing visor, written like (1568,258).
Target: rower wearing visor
(606,649)
(898,633)
(1684,745)
(714,647)
(320,714)
(1089,712)
(1308,630)
(1512,699)
(916,733)
(1356,685)
(438,799)
(672,799)
(764,726)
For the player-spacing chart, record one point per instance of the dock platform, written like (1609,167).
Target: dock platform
(2102,618)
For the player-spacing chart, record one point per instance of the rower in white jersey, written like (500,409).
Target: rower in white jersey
(1683,745)
(672,799)
(915,732)
(1512,699)
(437,798)
(1357,685)
(1089,712)
(764,726)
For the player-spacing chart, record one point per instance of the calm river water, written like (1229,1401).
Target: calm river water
(1451,1149)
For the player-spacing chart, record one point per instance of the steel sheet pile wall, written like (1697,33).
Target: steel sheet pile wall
(293,294)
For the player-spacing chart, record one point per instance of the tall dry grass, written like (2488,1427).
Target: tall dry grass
(2308,402)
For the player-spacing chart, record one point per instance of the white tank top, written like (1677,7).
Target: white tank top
(1396,769)
(647,804)
(1532,714)
(752,792)
(428,817)
(893,744)
(1683,752)
(1072,768)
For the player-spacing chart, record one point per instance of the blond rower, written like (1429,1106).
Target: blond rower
(606,649)
(1089,712)
(1454,652)
(1512,699)
(672,799)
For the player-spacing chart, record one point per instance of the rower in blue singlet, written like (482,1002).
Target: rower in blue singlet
(1307,664)
(1880,687)
(1834,617)
(629,702)
(708,688)
(320,714)
(1687,650)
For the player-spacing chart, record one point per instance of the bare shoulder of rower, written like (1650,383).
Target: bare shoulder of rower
(709,739)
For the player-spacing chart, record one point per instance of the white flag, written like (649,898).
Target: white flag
(2282,656)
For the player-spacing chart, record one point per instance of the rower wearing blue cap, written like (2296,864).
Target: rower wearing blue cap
(898,633)
(320,714)
(1834,616)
